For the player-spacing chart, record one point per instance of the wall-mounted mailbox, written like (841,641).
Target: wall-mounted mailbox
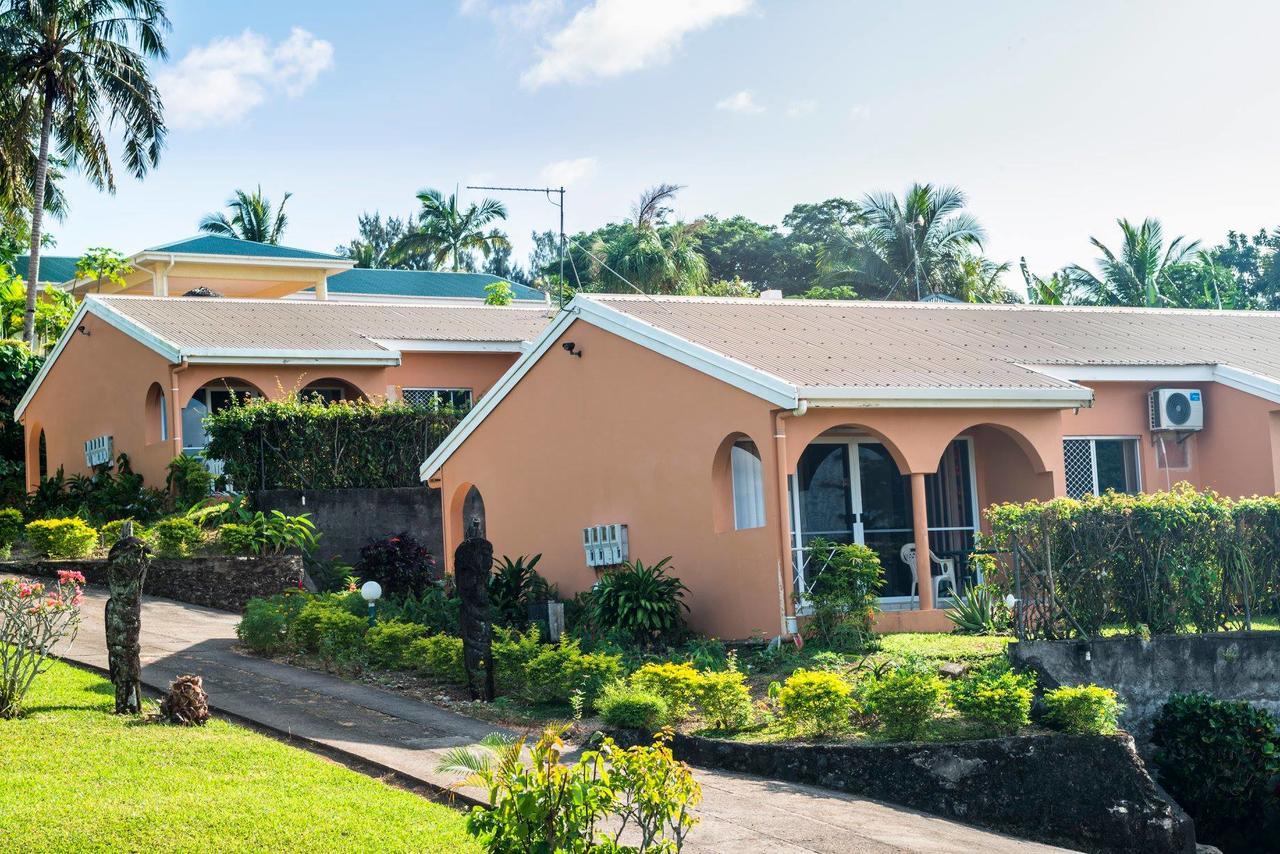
(605,545)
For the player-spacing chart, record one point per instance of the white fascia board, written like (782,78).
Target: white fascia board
(947,398)
(754,381)
(494,396)
(335,264)
(139,332)
(1249,382)
(1127,373)
(407,346)
(76,320)
(255,356)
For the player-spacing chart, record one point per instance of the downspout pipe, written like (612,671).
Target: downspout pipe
(175,406)
(780,417)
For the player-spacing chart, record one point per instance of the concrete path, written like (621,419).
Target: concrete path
(382,731)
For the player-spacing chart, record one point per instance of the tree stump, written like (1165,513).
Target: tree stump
(472,563)
(126,572)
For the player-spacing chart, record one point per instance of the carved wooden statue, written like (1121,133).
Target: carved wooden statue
(471,565)
(126,572)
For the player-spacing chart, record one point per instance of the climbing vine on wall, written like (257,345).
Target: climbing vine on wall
(298,443)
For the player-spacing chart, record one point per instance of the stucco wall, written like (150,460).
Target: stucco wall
(99,386)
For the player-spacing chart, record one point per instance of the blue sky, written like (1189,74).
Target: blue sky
(1055,118)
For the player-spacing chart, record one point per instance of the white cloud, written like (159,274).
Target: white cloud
(565,173)
(859,112)
(527,15)
(740,102)
(612,37)
(802,107)
(223,81)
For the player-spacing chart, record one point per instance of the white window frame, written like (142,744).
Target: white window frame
(404,394)
(1093,456)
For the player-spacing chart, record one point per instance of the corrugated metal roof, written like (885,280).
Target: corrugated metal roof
(196,324)
(421,283)
(856,344)
(213,244)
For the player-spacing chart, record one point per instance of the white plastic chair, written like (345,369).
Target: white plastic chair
(908,555)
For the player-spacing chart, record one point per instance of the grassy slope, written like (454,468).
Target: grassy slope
(77,778)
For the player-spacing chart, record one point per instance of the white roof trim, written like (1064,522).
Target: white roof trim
(934,398)
(255,356)
(139,332)
(151,255)
(428,346)
(494,395)
(76,320)
(1259,385)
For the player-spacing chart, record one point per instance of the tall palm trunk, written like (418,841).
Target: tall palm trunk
(37,221)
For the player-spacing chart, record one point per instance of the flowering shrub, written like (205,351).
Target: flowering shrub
(33,619)
(815,701)
(62,538)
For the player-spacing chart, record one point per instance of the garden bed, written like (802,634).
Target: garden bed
(225,582)
(1085,792)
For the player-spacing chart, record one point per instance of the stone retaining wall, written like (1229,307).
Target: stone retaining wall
(349,518)
(1082,792)
(1228,665)
(219,581)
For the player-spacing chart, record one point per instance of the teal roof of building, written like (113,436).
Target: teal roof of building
(421,283)
(213,244)
(53,268)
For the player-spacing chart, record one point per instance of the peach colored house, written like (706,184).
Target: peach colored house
(137,375)
(730,434)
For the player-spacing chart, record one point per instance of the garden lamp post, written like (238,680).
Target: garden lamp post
(371,592)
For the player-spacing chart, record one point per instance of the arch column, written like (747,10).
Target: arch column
(920,522)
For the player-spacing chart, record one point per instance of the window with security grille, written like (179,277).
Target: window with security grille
(1095,465)
(438,398)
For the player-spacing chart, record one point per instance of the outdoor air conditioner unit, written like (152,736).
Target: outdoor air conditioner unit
(1179,410)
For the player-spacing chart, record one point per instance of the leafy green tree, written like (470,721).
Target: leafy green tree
(908,247)
(740,248)
(253,218)
(498,293)
(373,247)
(102,264)
(81,66)
(1142,272)
(1251,261)
(451,235)
(650,253)
(833,292)
(500,264)
(18,367)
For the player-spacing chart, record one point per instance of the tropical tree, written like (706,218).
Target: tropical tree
(81,66)
(1059,289)
(253,218)
(649,253)
(102,264)
(1141,272)
(908,247)
(450,235)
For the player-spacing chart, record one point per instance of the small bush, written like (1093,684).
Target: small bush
(189,481)
(676,684)
(237,539)
(10,529)
(844,595)
(589,673)
(341,635)
(1086,710)
(724,699)
(388,644)
(513,586)
(176,537)
(316,617)
(62,538)
(401,564)
(904,702)
(438,656)
(629,707)
(644,603)
(981,611)
(109,534)
(512,652)
(1219,760)
(265,625)
(816,702)
(1000,703)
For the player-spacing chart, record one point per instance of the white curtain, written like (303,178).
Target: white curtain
(748,486)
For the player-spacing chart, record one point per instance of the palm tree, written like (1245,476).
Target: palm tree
(1142,272)
(915,246)
(652,255)
(449,235)
(251,218)
(1059,289)
(80,65)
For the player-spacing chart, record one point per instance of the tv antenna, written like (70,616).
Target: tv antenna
(546,191)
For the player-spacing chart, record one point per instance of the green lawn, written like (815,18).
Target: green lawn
(77,778)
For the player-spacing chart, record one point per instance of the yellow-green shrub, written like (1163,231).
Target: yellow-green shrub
(176,537)
(676,684)
(1086,710)
(905,702)
(62,538)
(389,643)
(724,698)
(1001,703)
(109,534)
(10,529)
(438,656)
(815,701)
(629,707)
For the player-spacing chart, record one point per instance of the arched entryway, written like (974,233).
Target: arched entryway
(213,396)
(330,390)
